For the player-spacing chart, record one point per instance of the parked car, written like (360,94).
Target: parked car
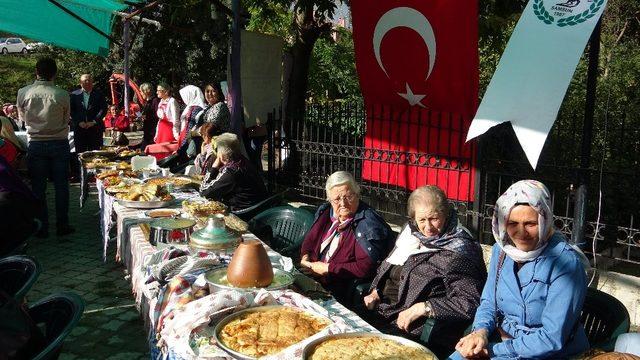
(12,45)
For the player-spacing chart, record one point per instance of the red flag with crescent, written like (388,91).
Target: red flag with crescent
(417,63)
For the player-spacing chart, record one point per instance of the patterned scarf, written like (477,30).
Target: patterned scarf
(454,237)
(331,239)
(536,195)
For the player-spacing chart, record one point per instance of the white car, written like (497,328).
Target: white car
(12,45)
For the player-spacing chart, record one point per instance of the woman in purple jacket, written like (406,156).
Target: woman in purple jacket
(348,239)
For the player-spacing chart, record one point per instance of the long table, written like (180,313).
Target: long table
(133,249)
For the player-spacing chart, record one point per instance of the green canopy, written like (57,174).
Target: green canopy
(53,22)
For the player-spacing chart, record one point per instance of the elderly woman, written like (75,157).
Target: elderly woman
(207,156)
(347,240)
(231,178)
(149,116)
(435,271)
(536,285)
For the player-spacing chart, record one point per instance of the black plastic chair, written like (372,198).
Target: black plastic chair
(604,318)
(56,315)
(248,213)
(18,274)
(286,225)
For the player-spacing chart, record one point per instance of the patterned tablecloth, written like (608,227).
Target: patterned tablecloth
(158,304)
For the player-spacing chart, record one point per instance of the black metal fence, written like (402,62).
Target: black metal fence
(328,138)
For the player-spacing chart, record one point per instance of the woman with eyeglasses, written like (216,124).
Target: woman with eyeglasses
(435,271)
(347,240)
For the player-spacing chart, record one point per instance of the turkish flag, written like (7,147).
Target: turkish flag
(417,63)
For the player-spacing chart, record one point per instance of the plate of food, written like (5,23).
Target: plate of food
(365,346)
(145,196)
(262,331)
(97,154)
(203,208)
(119,185)
(179,182)
(163,213)
(217,280)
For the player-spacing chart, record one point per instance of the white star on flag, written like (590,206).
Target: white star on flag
(413,99)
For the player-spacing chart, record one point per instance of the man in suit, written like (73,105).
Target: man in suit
(88,108)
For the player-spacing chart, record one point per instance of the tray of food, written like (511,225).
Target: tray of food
(119,185)
(365,346)
(179,182)
(217,280)
(263,330)
(97,154)
(203,208)
(145,196)
(127,153)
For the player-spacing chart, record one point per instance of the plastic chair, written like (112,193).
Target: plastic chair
(248,213)
(56,315)
(288,226)
(604,318)
(18,274)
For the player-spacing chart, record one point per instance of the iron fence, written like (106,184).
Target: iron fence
(328,138)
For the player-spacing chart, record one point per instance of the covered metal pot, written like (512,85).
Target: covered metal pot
(215,236)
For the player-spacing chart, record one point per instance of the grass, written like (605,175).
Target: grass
(16,71)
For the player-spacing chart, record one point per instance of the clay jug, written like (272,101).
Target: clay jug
(250,266)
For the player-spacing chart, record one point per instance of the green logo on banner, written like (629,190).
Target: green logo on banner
(568,13)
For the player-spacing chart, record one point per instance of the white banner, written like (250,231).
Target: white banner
(535,70)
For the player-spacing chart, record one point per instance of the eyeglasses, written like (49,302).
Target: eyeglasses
(346,198)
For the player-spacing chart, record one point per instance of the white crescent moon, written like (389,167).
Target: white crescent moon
(409,18)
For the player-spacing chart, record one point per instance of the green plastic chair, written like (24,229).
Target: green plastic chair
(56,315)
(604,318)
(286,227)
(250,212)
(18,274)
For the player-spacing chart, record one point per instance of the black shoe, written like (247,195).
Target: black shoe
(65,230)
(43,233)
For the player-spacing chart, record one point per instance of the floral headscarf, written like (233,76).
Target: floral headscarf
(536,195)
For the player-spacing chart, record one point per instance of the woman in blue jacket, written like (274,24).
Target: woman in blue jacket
(536,285)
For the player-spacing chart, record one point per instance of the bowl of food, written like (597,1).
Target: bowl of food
(203,208)
(365,346)
(266,330)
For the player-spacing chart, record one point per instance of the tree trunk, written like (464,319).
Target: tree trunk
(307,32)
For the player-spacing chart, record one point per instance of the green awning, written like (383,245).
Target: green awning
(45,21)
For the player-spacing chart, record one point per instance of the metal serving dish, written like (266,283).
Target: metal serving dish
(217,280)
(145,204)
(310,347)
(235,315)
(163,213)
(166,179)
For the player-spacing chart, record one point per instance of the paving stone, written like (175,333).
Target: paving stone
(76,265)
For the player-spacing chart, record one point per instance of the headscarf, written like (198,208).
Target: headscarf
(534,194)
(454,237)
(192,96)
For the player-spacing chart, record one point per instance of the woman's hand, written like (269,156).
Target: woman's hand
(474,345)
(406,317)
(314,268)
(371,300)
(218,163)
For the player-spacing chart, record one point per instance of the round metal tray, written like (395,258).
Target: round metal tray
(235,315)
(145,204)
(191,185)
(215,274)
(310,347)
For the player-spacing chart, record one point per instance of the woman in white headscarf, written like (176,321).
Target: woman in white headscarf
(191,116)
(536,287)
